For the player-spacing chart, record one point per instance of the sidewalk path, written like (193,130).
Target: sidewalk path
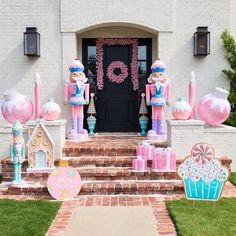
(163,223)
(112,221)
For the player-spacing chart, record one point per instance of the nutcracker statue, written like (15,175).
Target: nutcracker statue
(76,93)
(159,88)
(17,151)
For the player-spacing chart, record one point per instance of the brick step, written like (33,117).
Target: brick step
(123,173)
(107,188)
(107,168)
(28,188)
(100,161)
(98,151)
(102,173)
(119,161)
(133,187)
(107,148)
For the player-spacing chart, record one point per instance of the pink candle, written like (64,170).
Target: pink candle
(37,96)
(192,95)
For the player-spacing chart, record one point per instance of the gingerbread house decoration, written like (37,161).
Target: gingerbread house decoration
(40,150)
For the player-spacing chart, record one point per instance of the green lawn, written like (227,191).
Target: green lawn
(203,220)
(233,178)
(26,218)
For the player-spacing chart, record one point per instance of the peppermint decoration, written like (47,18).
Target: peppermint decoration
(202,153)
(120,78)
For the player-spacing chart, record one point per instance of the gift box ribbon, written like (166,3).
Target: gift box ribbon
(168,156)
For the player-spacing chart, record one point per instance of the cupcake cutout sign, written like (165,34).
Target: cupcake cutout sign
(202,174)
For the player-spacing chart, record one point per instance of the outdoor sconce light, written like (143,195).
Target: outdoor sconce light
(202,41)
(31,42)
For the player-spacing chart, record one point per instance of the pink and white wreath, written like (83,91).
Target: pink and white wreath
(120,78)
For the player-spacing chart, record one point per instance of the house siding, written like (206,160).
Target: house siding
(62,24)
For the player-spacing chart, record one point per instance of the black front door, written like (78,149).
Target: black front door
(116,103)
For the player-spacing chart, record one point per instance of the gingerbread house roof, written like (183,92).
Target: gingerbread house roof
(40,124)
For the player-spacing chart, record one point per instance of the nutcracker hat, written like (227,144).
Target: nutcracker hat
(76,66)
(158,66)
(17,128)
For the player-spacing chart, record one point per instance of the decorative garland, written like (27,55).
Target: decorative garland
(134,64)
(117,78)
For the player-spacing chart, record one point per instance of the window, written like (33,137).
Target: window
(144,62)
(89,62)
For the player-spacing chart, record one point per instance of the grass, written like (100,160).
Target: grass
(203,220)
(26,218)
(233,178)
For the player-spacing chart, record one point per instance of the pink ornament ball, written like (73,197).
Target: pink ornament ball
(214,108)
(181,115)
(51,110)
(50,116)
(16,107)
(181,110)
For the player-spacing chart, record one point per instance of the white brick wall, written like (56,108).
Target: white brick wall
(17,70)
(78,15)
(183,135)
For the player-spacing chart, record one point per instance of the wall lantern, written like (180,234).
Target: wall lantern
(31,42)
(202,41)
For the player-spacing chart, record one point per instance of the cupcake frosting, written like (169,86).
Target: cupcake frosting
(208,172)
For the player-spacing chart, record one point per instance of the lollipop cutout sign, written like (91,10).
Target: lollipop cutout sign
(202,153)
(64,183)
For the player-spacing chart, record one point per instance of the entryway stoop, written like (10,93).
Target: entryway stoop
(105,166)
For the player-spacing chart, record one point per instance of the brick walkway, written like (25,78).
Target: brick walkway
(164,223)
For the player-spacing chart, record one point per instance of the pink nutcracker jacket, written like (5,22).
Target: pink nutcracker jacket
(76,94)
(160,94)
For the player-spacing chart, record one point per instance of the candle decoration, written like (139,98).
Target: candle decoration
(37,97)
(192,95)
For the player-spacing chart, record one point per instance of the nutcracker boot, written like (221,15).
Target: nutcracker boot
(80,129)
(154,125)
(74,126)
(160,127)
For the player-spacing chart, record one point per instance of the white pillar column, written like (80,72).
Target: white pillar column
(69,52)
(165,53)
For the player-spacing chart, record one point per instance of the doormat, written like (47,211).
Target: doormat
(112,221)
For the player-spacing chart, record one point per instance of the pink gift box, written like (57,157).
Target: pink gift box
(139,164)
(146,150)
(164,160)
(139,150)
